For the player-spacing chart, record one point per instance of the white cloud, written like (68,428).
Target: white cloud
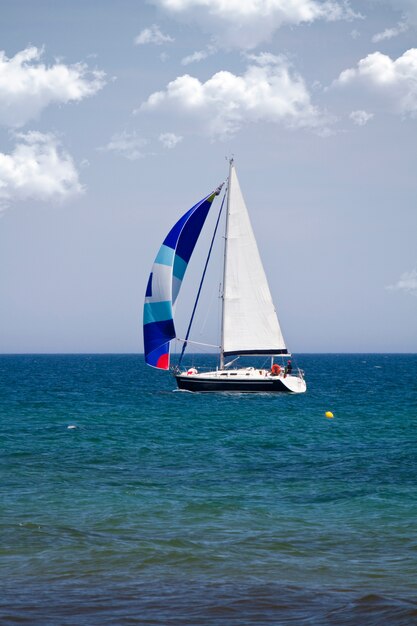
(408,8)
(199,55)
(195,57)
(28,86)
(37,168)
(152,35)
(407,282)
(360,118)
(169,140)
(269,90)
(389,33)
(246,23)
(127,145)
(393,81)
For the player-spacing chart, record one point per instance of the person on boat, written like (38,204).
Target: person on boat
(288,368)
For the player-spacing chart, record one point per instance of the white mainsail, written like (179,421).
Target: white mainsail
(250,323)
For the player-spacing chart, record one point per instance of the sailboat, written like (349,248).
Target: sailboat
(249,322)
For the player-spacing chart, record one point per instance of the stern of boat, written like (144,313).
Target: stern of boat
(295,384)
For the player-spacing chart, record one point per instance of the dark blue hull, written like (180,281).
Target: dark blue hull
(269,385)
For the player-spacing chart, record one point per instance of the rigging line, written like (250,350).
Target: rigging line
(202,280)
(198,343)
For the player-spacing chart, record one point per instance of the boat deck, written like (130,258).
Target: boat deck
(242,380)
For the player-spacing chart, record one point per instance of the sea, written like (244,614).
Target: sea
(124,501)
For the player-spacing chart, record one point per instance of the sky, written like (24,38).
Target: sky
(117,117)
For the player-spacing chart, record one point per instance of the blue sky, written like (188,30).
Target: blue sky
(116,117)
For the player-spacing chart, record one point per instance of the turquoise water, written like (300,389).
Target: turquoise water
(164,507)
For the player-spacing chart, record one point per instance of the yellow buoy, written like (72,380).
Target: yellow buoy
(329,414)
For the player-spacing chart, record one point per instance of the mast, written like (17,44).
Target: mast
(226,233)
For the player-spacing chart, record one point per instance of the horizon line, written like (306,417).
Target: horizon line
(190,353)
